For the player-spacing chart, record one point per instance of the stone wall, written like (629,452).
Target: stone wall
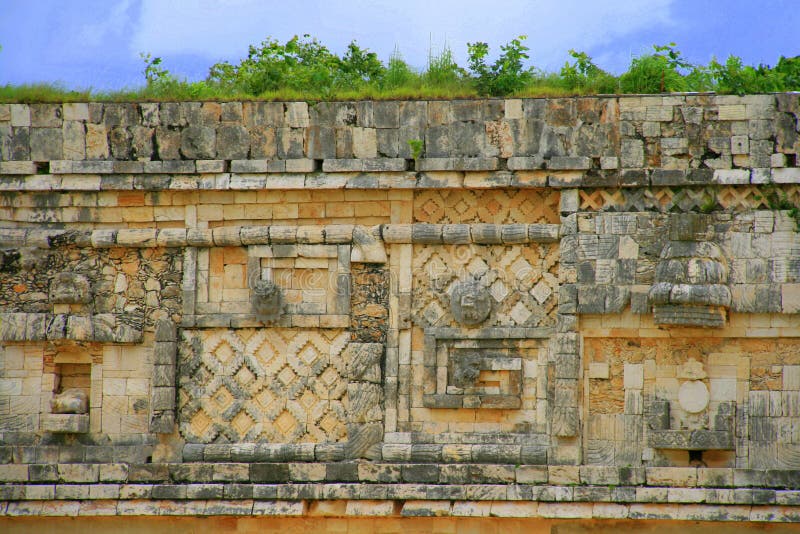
(558,308)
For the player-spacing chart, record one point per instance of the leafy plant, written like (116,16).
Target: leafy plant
(506,75)
(736,78)
(416,146)
(297,64)
(656,73)
(709,202)
(789,71)
(584,74)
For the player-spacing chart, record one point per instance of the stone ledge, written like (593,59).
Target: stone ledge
(178,237)
(648,484)
(103,328)
(64,423)
(267,235)
(435,492)
(347,506)
(357,176)
(470,233)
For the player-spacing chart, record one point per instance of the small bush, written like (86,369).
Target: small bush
(656,73)
(506,75)
(583,75)
(736,78)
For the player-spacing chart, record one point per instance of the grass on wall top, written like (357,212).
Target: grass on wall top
(305,69)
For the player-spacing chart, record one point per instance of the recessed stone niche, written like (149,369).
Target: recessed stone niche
(69,405)
(483,368)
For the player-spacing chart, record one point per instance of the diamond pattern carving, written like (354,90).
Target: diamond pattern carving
(274,385)
(738,198)
(498,206)
(522,282)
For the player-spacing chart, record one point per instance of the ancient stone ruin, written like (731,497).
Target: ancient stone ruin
(573,308)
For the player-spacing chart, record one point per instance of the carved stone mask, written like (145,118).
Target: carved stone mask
(470,302)
(466,371)
(267,300)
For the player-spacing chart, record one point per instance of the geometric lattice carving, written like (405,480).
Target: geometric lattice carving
(269,385)
(497,206)
(684,199)
(521,281)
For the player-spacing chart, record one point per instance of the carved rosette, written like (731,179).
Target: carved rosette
(470,302)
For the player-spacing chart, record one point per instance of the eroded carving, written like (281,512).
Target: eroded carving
(72,400)
(69,288)
(691,277)
(466,371)
(267,300)
(470,302)
(719,435)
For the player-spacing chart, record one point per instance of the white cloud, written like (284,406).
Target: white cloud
(218,29)
(109,27)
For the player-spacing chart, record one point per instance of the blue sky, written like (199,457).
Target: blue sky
(96,43)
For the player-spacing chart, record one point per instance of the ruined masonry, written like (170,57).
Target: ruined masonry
(558,308)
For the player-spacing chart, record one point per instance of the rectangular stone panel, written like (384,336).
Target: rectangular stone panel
(506,206)
(268,385)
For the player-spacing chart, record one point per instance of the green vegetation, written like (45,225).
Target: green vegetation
(305,69)
(416,146)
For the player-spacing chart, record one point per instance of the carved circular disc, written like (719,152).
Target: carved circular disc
(470,302)
(693,396)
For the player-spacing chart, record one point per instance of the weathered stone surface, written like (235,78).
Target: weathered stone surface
(267,300)
(470,302)
(198,142)
(65,423)
(70,401)
(69,288)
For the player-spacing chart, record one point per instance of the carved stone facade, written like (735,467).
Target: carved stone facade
(580,307)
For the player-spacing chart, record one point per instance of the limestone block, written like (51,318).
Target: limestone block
(790,298)
(20,115)
(789,175)
(75,111)
(198,142)
(233,142)
(367,246)
(64,423)
(46,144)
(96,142)
(74,140)
(599,370)
(569,163)
(632,153)
(297,114)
